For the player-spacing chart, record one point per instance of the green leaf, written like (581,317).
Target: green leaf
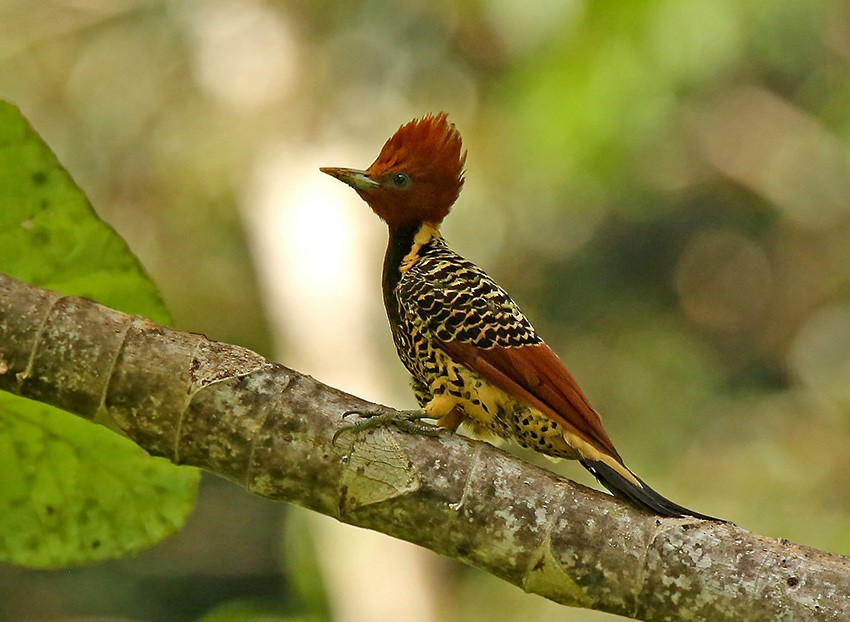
(73,492)
(70,491)
(50,236)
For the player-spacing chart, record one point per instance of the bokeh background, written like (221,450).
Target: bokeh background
(663,186)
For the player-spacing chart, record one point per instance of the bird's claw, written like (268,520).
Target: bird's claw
(405,420)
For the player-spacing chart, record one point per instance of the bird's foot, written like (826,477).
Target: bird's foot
(409,421)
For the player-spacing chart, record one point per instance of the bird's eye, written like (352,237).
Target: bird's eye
(400,180)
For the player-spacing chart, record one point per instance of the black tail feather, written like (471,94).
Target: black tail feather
(642,496)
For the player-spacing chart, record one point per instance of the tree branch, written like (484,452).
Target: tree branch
(268,428)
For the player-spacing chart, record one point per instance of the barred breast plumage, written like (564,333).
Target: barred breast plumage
(442,298)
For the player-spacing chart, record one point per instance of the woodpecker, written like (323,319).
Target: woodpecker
(473,356)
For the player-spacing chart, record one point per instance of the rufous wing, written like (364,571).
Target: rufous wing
(535,375)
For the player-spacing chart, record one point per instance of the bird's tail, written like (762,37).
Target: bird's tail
(642,495)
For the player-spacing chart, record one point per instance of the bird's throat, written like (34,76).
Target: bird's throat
(405,243)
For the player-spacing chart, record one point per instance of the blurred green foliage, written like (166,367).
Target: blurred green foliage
(663,186)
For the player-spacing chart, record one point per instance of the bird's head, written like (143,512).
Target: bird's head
(417,176)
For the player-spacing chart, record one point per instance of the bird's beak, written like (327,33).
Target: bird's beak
(359,180)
